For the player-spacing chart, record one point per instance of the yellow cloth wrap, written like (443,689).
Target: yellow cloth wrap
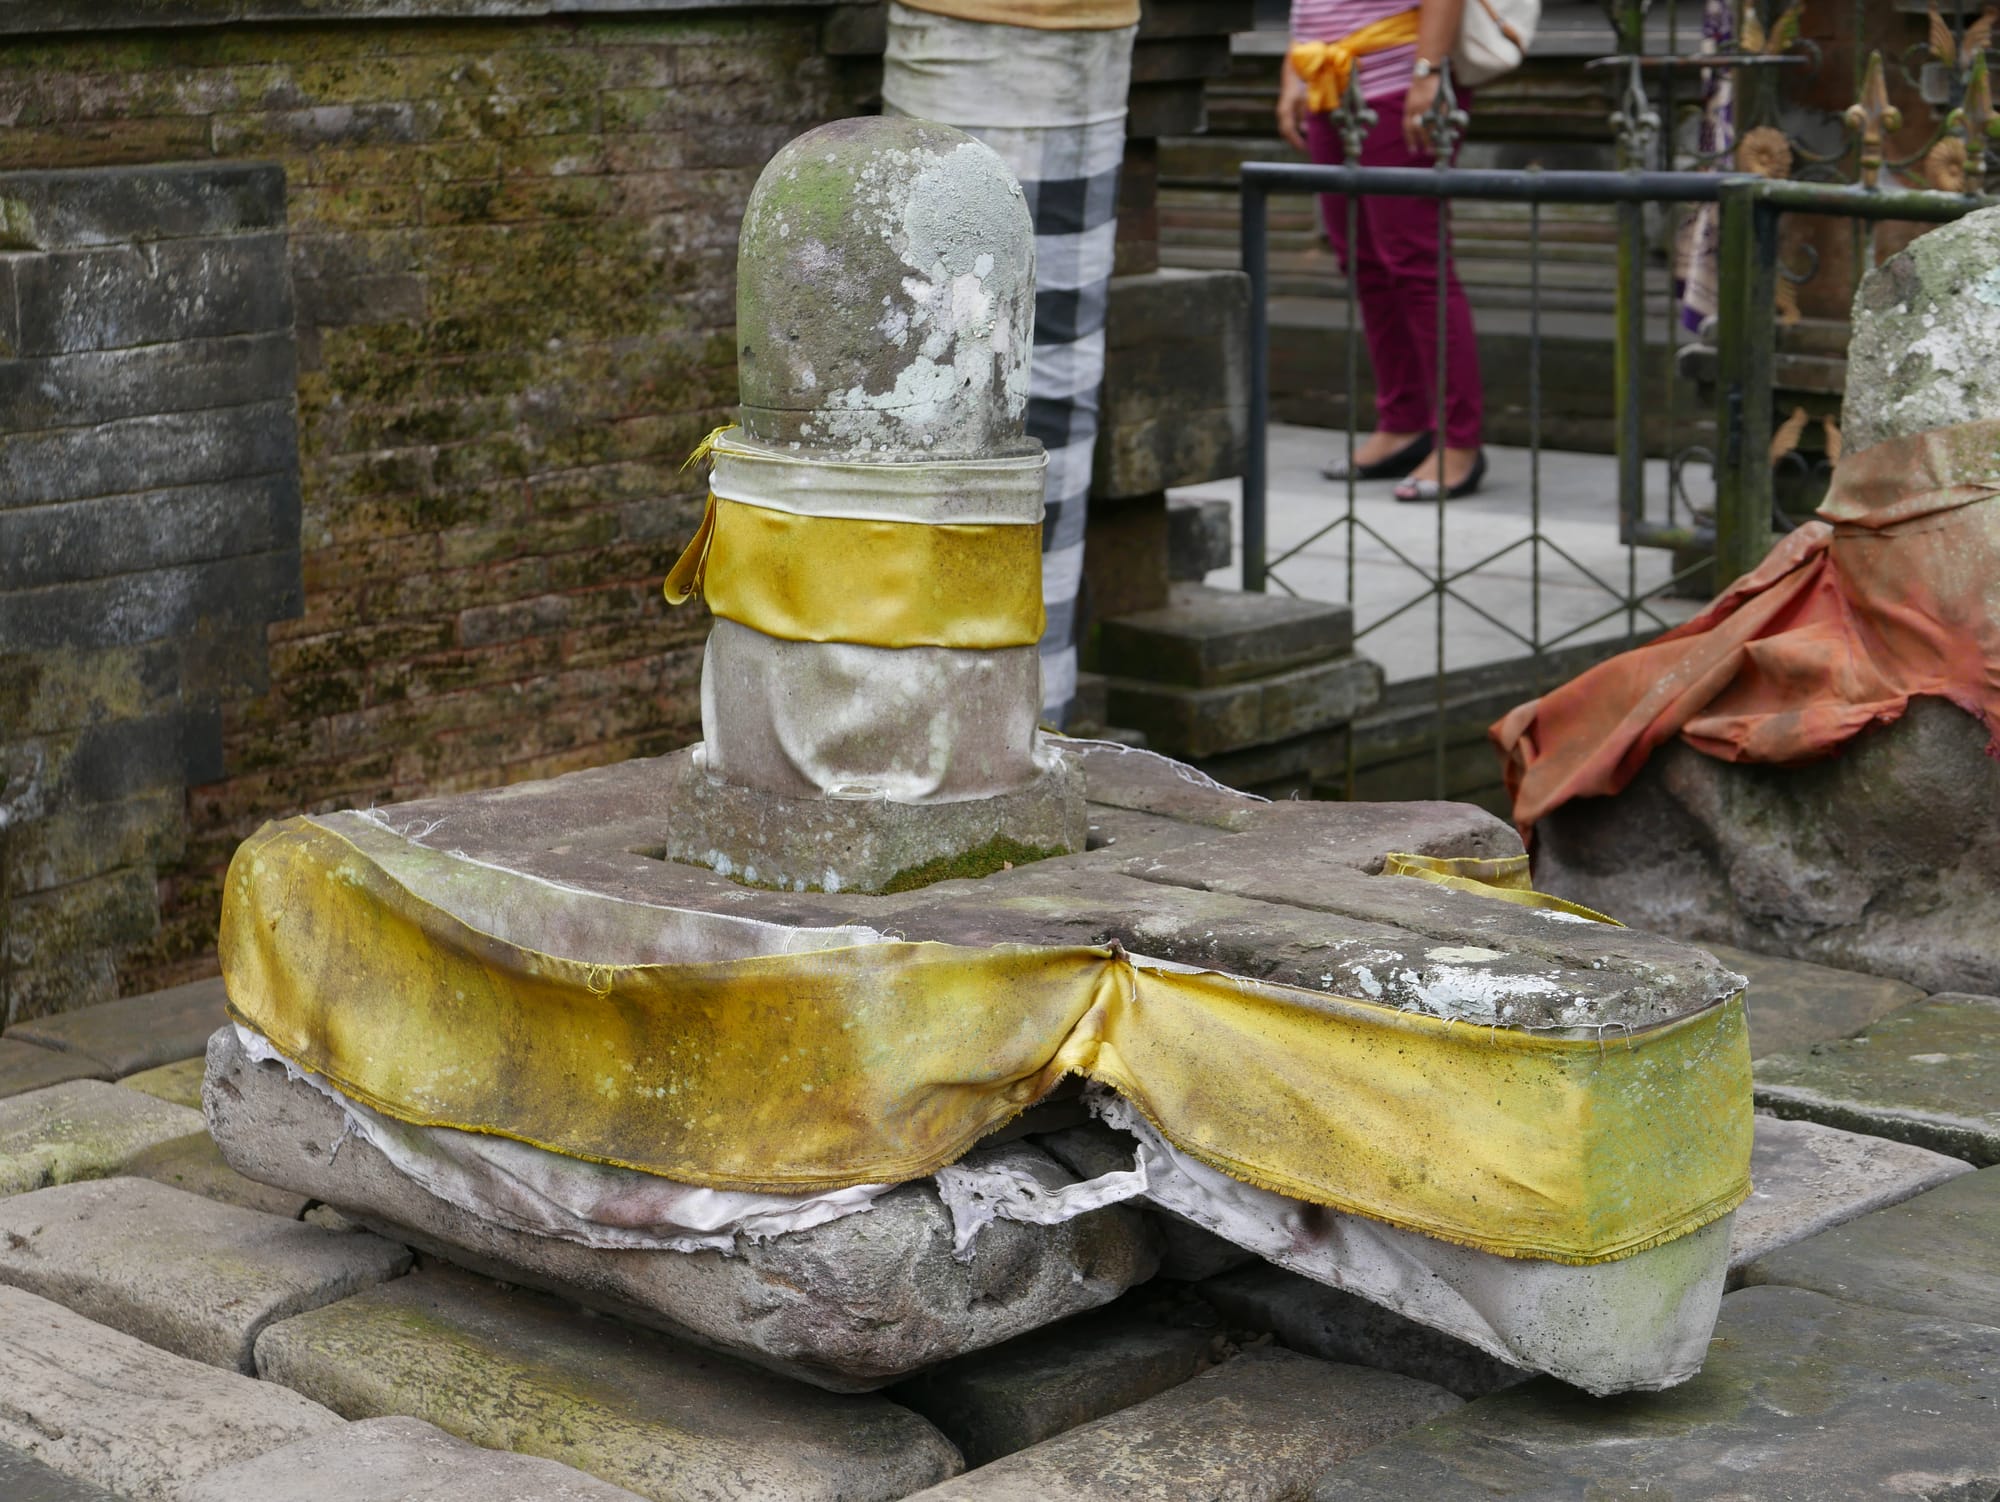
(1504,877)
(883,1062)
(976,586)
(1327,66)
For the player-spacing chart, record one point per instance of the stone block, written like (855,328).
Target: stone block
(100,386)
(1928,1075)
(179,1082)
(1932,1255)
(139,1032)
(25,1479)
(1125,554)
(1255,1429)
(850,1305)
(138,533)
(1283,768)
(1175,407)
(1198,538)
(1793,1004)
(136,608)
(99,1406)
(1037,1386)
(147,453)
(1803,1397)
(1160,59)
(195,1163)
(157,294)
(1204,637)
(396,1460)
(1334,1325)
(73,209)
(1806,1178)
(1199,722)
(1166,109)
(513,1370)
(25,1067)
(81,1130)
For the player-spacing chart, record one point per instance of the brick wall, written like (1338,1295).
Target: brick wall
(511,248)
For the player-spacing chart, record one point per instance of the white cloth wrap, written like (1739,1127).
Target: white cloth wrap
(912,724)
(963,73)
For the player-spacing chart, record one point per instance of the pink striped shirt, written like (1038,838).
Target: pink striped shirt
(1382,73)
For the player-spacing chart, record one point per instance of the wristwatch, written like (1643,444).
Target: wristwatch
(1423,68)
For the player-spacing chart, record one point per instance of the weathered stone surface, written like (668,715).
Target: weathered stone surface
(1334,1325)
(100,1406)
(1929,1075)
(1925,321)
(140,1032)
(396,1460)
(1934,1254)
(1198,540)
(25,1479)
(1206,721)
(25,1067)
(195,1163)
(1204,637)
(1036,1386)
(180,1272)
(1899,884)
(1175,407)
(849,1305)
(1255,1429)
(1793,1004)
(516,1371)
(179,1082)
(82,1130)
(1188,1252)
(1806,1178)
(1803,1399)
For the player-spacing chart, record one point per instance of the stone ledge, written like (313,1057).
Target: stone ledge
(34,16)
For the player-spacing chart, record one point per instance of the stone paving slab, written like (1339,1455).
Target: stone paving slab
(25,1479)
(27,1066)
(1255,1429)
(179,1082)
(139,1032)
(1937,1254)
(396,1460)
(1793,1004)
(1335,1325)
(1804,1399)
(178,1271)
(100,1406)
(196,1164)
(513,1370)
(82,1130)
(1806,1178)
(1034,1387)
(1929,1075)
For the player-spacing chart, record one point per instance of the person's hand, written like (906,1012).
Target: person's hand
(1292,108)
(1417,102)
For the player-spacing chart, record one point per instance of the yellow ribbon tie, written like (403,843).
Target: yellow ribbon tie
(1503,877)
(1327,66)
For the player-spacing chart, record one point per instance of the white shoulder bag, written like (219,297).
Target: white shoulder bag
(1493,37)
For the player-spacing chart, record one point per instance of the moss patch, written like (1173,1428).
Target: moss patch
(996,854)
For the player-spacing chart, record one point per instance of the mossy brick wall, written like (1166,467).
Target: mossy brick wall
(511,246)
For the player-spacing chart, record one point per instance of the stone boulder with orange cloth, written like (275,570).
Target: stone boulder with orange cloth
(1808,767)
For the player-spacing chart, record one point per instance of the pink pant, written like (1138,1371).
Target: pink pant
(1394,263)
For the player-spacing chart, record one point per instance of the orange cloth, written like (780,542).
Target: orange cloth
(1893,593)
(1326,66)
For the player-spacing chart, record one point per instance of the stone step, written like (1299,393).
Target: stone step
(1806,1178)
(180,1272)
(1934,1254)
(513,1370)
(1037,1386)
(1202,722)
(1280,769)
(1929,1075)
(28,1066)
(82,1130)
(139,1032)
(1203,637)
(1803,1397)
(1794,1004)
(100,1406)
(1255,1429)
(396,1460)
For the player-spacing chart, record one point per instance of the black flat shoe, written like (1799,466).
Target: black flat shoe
(1395,467)
(1427,490)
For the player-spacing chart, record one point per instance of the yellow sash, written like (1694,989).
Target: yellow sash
(1326,66)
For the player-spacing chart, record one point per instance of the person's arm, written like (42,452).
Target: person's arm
(1437,34)
(1292,93)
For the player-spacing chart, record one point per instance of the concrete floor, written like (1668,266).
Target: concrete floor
(1578,515)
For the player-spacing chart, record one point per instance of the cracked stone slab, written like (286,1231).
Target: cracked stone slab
(97,1405)
(1934,1254)
(1928,1075)
(1806,1178)
(139,1032)
(513,1370)
(396,1460)
(1803,1399)
(850,1305)
(1255,1429)
(82,1130)
(178,1271)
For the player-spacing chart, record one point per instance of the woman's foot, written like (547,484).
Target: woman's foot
(1384,456)
(1463,471)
